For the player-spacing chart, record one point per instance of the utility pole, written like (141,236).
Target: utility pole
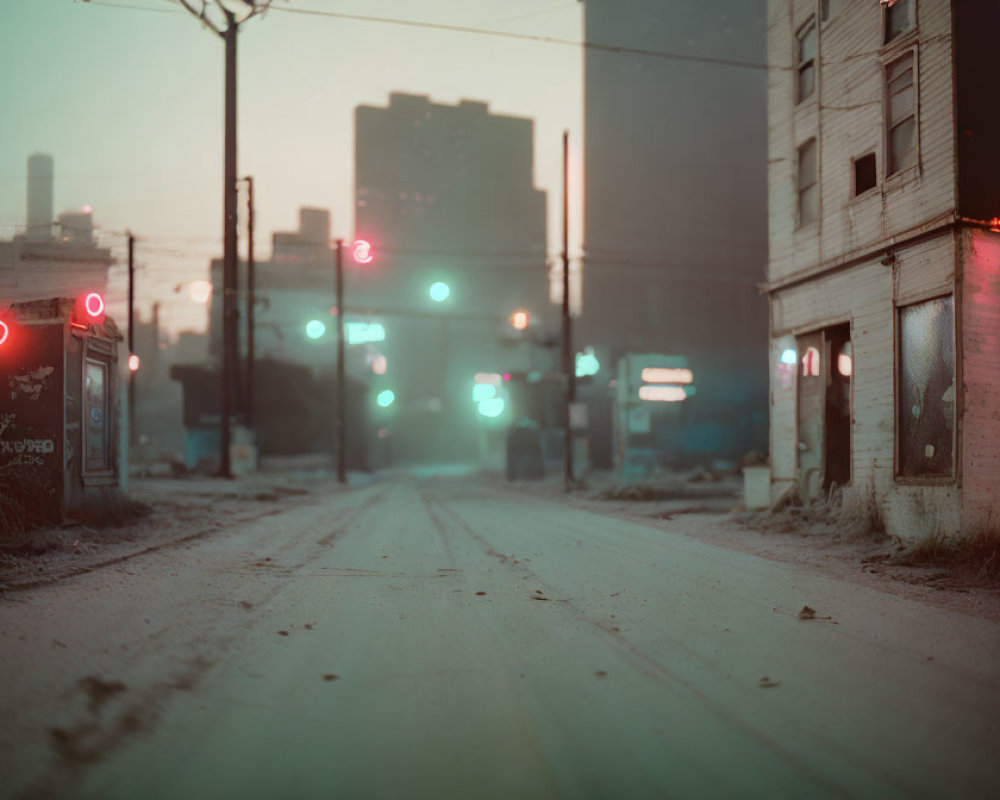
(227,29)
(229,332)
(567,343)
(340,428)
(131,341)
(251,300)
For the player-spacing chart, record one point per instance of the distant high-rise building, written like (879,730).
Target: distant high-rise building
(40,264)
(675,238)
(446,196)
(40,180)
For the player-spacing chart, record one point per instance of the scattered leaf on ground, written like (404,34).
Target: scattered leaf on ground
(601,674)
(331,677)
(767,683)
(282,633)
(480,593)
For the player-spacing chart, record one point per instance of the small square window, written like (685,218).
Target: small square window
(806,60)
(830,8)
(865,176)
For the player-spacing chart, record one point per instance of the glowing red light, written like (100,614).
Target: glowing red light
(362,251)
(4,331)
(93,303)
(995,224)
(506,376)
(133,363)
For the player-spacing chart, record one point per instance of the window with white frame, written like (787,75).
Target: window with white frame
(900,114)
(899,17)
(805,60)
(926,389)
(808,183)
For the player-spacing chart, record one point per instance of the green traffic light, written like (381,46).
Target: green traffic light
(315,329)
(439,291)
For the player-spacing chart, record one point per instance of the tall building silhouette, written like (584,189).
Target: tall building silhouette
(675,239)
(446,194)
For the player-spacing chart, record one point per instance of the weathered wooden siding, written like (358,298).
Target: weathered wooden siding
(980,421)
(867,296)
(846,115)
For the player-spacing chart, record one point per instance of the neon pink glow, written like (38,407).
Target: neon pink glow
(666,375)
(506,376)
(810,362)
(662,394)
(94,304)
(133,363)
(4,331)
(362,251)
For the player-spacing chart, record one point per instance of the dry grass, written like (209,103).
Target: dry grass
(859,515)
(971,559)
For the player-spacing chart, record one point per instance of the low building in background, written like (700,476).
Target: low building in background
(60,413)
(884,271)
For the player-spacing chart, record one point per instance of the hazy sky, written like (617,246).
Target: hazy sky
(127,96)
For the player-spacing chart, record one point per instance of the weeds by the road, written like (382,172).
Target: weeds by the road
(968,560)
(27,522)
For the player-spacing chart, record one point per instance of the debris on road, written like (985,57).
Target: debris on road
(767,683)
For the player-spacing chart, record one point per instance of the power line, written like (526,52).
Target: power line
(587,45)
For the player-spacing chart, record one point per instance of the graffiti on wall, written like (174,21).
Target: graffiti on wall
(25,452)
(29,384)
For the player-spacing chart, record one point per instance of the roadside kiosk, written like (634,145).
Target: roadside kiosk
(59,410)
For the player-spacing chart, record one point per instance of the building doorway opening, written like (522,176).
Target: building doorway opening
(825,370)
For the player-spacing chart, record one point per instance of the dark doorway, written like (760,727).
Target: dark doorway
(825,367)
(840,368)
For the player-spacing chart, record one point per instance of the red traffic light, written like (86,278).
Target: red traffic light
(88,309)
(362,251)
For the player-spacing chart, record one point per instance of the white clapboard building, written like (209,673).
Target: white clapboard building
(884,266)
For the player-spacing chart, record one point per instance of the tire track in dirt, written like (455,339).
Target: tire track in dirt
(661,673)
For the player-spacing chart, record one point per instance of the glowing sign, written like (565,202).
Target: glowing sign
(362,250)
(667,375)
(315,329)
(364,332)
(133,363)
(519,319)
(789,356)
(439,291)
(483,391)
(493,407)
(385,398)
(4,331)
(93,303)
(587,363)
(488,377)
(662,394)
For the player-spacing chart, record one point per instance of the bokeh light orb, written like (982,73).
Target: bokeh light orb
(200,291)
